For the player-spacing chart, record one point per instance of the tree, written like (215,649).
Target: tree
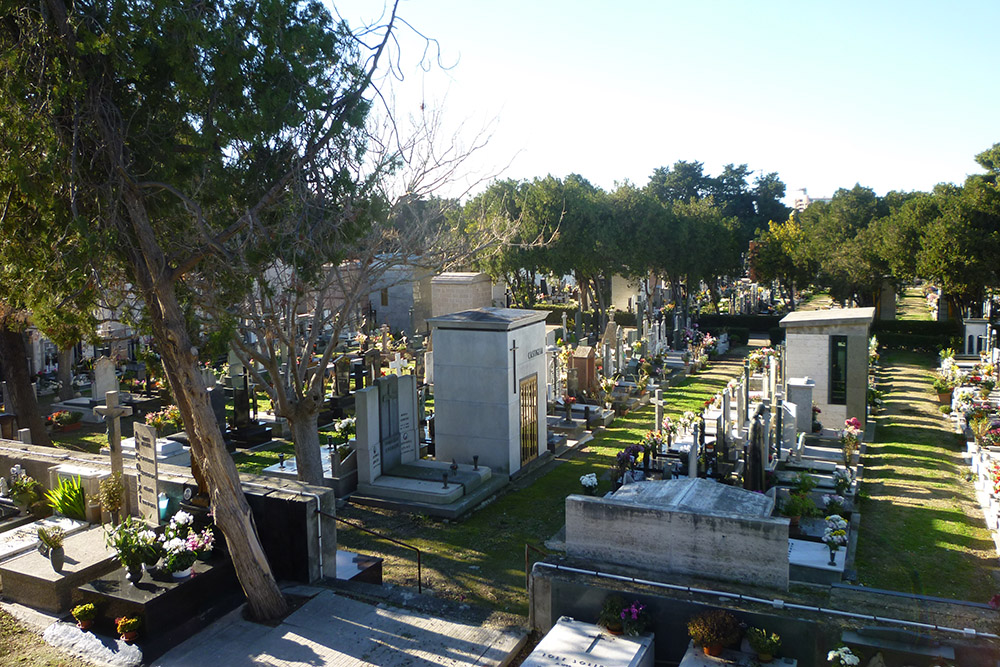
(780,254)
(681,183)
(175,128)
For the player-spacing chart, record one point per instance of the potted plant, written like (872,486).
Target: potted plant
(133,542)
(23,488)
(843,657)
(835,535)
(796,506)
(943,386)
(52,539)
(68,499)
(589,483)
(714,630)
(764,643)
(111,490)
(128,627)
(611,614)
(65,420)
(178,550)
(635,619)
(817,426)
(84,615)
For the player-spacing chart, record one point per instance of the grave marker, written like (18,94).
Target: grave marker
(112,414)
(146,473)
(105,379)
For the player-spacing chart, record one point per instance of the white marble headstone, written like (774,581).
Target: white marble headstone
(105,379)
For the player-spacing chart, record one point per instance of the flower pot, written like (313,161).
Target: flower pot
(181,574)
(85,625)
(129,636)
(764,657)
(133,573)
(66,428)
(57,556)
(616,629)
(713,650)
(944,397)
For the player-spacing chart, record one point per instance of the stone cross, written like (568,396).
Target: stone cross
(396,365)
(658,402)
(113,413)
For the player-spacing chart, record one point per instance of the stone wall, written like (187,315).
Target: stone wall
(712,545)
(455,292)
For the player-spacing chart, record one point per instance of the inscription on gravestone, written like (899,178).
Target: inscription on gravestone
(145,465)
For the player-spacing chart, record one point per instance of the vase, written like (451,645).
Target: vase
(57,556)
(181,574)
(134,573)
(833,557)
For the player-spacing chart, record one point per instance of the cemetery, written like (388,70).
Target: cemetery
(287,380)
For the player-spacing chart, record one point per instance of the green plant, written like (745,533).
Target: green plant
(23,487)
(51,537)
(762,641)
(804,483)
(132,541)
(798,504)
(127,624)
(714,628)
(943,385)
(84,612)
(611,612)
(635,619)
(944,409)
(65,417)
(68,499)
(111,491)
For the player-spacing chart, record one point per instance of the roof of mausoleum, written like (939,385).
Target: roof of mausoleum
(701,496)
(500,319)
(832,317)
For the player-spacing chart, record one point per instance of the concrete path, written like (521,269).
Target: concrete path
(334,630)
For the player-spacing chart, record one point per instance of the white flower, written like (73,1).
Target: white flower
(175,546)
(182,518)
(147,536)
(589,480)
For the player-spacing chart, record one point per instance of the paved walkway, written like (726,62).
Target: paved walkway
(334,630)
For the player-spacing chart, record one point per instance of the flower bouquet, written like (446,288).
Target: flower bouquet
(589,483)
(835,535)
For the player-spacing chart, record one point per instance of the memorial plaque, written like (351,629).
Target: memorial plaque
(145,465)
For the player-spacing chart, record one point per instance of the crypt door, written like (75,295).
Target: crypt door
(529,418)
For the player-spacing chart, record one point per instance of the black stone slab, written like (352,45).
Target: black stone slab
(171,610)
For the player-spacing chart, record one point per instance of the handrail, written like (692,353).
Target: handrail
(384,537)
(530,547)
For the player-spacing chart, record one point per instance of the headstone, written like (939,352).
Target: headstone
(397,364)
(145,466)
(658,402)
(24,435)
(693,452)
(741,405)
(241,402)
(387,422)
(799,391)
(105,379)
(584,362)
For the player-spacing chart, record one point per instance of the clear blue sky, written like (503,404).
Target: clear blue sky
(893,95)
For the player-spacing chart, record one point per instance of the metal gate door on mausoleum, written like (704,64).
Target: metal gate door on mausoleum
(529,418)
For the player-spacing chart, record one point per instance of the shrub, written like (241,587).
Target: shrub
(84,612)
(714,627)
(762,641)
(68,499)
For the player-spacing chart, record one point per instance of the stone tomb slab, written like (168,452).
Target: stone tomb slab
(23,538)
(810,562)
(572,642)
(413,490)
(171,610)
(30,579)
(432,471)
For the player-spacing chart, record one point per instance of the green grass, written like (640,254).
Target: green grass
(481,559)
(254,462)
(820,300)
(922,530)
(911,305)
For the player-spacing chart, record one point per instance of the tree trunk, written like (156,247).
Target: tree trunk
(66,374)
(305,435)
(180,362)
(21,398)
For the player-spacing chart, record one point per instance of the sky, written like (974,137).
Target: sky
(891,95)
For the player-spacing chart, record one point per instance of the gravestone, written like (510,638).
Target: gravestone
(387,420)
(112,414)
(584,362)
(799,392)
(372,366)
(146,473)
(105,379)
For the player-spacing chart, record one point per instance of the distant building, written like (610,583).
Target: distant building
(801,200)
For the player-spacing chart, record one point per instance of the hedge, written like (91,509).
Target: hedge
(755,323)
(917,327)
(918,342)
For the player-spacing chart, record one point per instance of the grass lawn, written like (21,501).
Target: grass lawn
(911,305)
(820,300)
(922,530)
(481,560)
